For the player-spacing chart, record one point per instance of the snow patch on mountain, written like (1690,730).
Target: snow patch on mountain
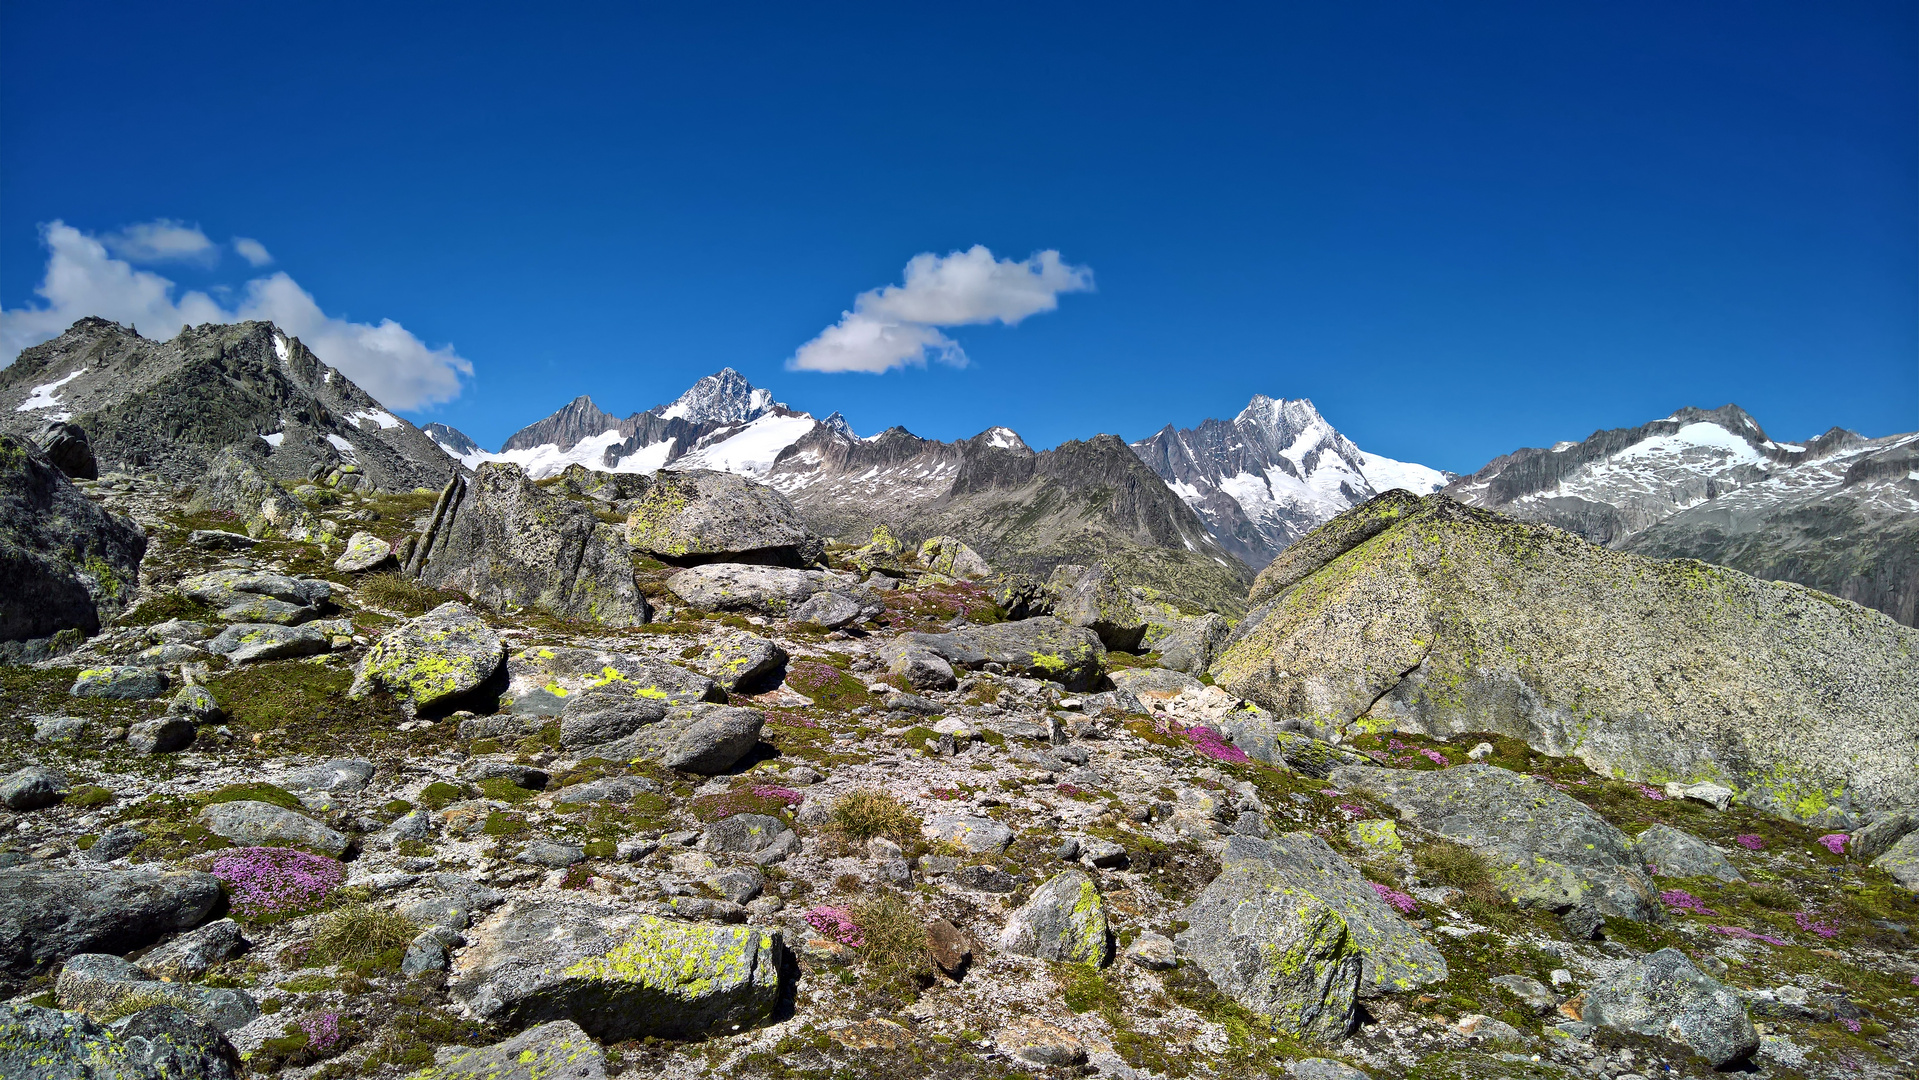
(751,450)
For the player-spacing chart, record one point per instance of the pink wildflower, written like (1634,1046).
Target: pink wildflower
(322,1030)
(1436,758)
(1214,745)
(1834,842)
(1852,1026)
(1652,792)
(1742,932)
(1681,900)
(1808,924)
(836,923)
(263,881)
(1749,841)
(1399,900)
(785,795)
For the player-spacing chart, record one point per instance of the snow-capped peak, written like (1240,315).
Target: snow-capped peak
(725,398)
(1004,438)
(840,424)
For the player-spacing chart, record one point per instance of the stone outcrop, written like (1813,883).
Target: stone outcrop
(1042,648)
(1665,996)
(697,516)
(51,914)
(511,545)
(432,661)
(65,563)
(1448,620)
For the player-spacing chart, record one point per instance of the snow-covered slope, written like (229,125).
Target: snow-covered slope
(1273,473)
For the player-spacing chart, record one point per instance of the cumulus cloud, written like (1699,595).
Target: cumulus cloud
(896,325)
(163,240)
(83,279)
(253,251)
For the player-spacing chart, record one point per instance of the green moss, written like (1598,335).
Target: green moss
(293,707)
(500,823)
(88,796)
(439,794)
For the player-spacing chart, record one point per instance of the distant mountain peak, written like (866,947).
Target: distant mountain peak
(839,423)
(724,397)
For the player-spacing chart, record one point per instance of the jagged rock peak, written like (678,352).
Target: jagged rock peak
(451,439)
(723,397)
(839,423)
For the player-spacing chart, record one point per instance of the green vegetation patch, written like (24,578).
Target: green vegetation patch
(299,707)
(397,592)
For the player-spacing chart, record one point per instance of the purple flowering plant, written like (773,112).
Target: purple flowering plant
(1681,900)
(1399,901)
(1814,926)
(837,924)
(322,1030)
(1748,935)
(1749,841)
(1214,745)
(1834,842)
(266,884)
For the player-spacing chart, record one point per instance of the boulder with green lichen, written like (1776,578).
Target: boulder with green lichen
(1064,921)
(65,563)
(698,515)
(433,660)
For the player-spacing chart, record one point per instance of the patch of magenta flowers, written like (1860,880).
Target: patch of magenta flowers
(785,795)
(322,1030)
(1834,842)
(1749,841)
(1652,793)
(836,923)
(1214,745)
(1681,900)
(1400,902)
(1814,926)
(1748,935)
(271,882)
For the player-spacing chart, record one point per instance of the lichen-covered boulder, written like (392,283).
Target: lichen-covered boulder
(96,982)
(510,545)
(543,681)
(120,683)
(65,563)
(736,659)
(699,515)
(557,1050)
(266,825)
(1671,852)
(921,667)
(31,788)
(618,976)
(1901,860)
(1093,598)
(1255,731)
(161,735)
(1446,619)
(1192,646)
(236,483)
(1665,996)
(249,643)
(158,1043)
(829,609)
(51,914)
(1292,931)
(979,835)
(1041,648)
(68,448)
(766,590)
(713,738)
(364,551)
(1546,849)
(951,557)
(1065,921)
(221,588)
(433,660)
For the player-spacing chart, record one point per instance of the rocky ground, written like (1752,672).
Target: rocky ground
(361,827)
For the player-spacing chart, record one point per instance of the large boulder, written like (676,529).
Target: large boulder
(1901,860)
(1442,619)
(558,1050)
(1671,852)
(699,516)
(618,976)
(68,448)
(1192,646)
(951,557)
(248,643)
(736,659)
(543,681)
(1042,648)
(222,588)
(766,590)
(432,661)
(1546,849)
(236,484)
(48,915)
(96,982)
(1064,921)
(511,544)
(1292,931)
(65,563)
(1665,996)
(1093,598)
(261,824)
(158,1043)
(713,738)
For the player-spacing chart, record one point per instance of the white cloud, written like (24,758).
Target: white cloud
(82,279)
(895,326)
(163,240)
(253,251)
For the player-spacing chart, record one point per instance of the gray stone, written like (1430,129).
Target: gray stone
(743,834)
(829,609)
(896,872)
(618,976)
(223,588)
(430,950)
(738,885)
(196,952)
(1095,599)
(1717,796)
(523,776)
(68,448)
(985,878)
(1254,730)
(922,668)
(951,557)
(1036,1042)
(160,1043)
(165,735)
(558,1050)
(339,774)
(700,515)
(1065,921)
(766,590)
(1104,854)
(1531,991)
(58,729)
(246,643)
(1194,644)
(717,737)
(197,704)
(1325,1069)
(264,824)
(1154,952)
(48,915)
(978,835)
(95,982)
(510,545)
(65,563)
(120,683)
(618,789)
(117,842)
(220,540)
(31,788)
(1665,996)
(549,853)
(606,713)
(544,681)
(1546,848)
(1882,832)
(1671,852)
(432,661)
(1292,931)
(736,659)
(1901,860)
(364,551)
(1041,648)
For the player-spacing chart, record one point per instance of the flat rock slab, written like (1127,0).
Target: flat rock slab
(1042,648)
(541,681)
(154,1044)
(978,835)
(223,587)
(767,590)
(704,514)
(1546,848)
(1671,852)
(340,774)
(432,660)
(119,683)
(246,643)
(265,825)
(558,1050)
(618,976)
(1665,996)
(48,915)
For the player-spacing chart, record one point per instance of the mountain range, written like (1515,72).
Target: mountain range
(1192,512)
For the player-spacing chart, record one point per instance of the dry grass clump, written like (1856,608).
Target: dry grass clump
(894,955)
(397,592)
(1444,863)
(138,1001)
(861,815)
(360,934)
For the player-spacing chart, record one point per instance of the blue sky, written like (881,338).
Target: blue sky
(1458,228)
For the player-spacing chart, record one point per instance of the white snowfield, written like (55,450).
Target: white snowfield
(44,396)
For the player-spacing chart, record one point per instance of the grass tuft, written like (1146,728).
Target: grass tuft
(397,592)
(862,814)
(361,934)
